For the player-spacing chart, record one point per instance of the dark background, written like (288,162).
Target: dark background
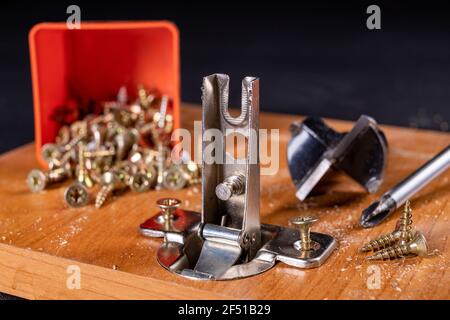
(312,58)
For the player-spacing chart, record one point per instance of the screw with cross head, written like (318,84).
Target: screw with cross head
(111,181)
(417,247)
(38,180)
(76,195)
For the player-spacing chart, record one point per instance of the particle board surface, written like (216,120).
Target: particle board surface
(40,237)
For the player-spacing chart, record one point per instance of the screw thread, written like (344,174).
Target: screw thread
(56,175)
(160,167)
(305,239)
(103,194)
(81,163)
(381,242)
(99,153)
(393,252)
(72,143)
(405,221)
(65,157)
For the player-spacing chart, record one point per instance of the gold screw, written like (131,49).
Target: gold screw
(38,180)
(175,178)
(168,206)
(139,182)
(124,142)
(161,160)
(111,181)
(76,195)
(81,134)
(100,153)
(418,246)
(381,242)
(403,233)
(303,225)
(50,152)
(405,224)
(83,175)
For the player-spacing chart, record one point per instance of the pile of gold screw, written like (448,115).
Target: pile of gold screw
(127,147)
(402,242)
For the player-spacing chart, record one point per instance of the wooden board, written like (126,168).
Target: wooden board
(40,236)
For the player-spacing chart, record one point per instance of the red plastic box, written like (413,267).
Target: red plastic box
(95,61)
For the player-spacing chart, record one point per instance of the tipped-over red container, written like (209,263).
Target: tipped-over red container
(93,62)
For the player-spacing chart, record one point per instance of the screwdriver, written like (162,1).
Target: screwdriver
(397,196)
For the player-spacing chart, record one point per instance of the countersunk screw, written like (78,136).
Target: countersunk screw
(232,185)
(161,160)
(382,242)
(193,171)
(83,175)
(111,181)
(303,225)
(175,178)
(418,246)
(140,182)
(81,134)
(76,195)
(38,180)
(124,142)
(50,152)
(403,233)
(168,206)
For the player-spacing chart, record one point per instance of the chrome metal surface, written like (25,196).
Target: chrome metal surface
(421,177)
(396,197)
(230,242)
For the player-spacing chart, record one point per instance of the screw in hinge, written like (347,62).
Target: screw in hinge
(38,180)
(403,233)
(418,246)
(110,182)
(303,225)
(232,185)
(168,206)
(76,195)
(83,174)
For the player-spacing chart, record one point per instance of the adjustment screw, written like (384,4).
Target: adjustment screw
(233,185)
